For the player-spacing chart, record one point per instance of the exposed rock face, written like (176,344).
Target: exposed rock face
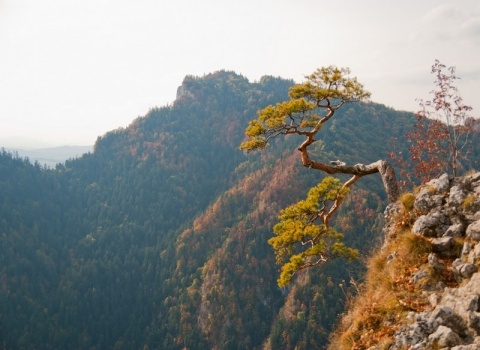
(449,217)
(183,92)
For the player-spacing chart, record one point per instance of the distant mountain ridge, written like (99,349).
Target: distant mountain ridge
(51,156)
(158,238)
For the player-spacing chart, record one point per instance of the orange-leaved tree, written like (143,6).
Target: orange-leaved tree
(441,139)
(303,237)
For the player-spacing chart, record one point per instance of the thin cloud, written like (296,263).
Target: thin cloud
(76,69)
(470,29)
(452,23)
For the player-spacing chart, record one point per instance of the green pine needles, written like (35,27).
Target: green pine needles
(303,237)
(310,105)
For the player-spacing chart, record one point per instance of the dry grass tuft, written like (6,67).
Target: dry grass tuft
(471,172)
(386,296)
(469,202)
(412,248)
(407,199)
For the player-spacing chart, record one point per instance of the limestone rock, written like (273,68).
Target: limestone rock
(440,184)
(464,269)
(465,301)
(444,337)
(455,230)
(433,224)
(457,195)
(435,263)
(473,231)
(447,211)
(474,254)
(425,200)
(447,317)
(467,248)
(444,246)
(467,347)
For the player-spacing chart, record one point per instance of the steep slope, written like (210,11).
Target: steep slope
(157,239)
(423,287)
(89,245)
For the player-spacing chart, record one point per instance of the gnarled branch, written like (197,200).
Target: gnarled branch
(358,170)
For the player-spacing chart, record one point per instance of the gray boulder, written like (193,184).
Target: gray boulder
(444,337)
(465,302)
(457,195)
(473,231)
(433,224)
(455,230)
(444,246)
(440,184)
(464,269)
(426,199)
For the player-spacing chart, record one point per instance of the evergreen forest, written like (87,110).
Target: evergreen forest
(158,238)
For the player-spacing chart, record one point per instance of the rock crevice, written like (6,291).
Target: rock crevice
(447,213)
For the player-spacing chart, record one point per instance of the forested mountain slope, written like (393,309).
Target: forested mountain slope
(157,239)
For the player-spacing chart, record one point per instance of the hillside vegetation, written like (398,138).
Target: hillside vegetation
(158,239)
(422,288)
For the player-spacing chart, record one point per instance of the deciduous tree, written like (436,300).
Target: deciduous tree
(441,139)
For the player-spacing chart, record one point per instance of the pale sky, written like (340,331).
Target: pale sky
(71,70)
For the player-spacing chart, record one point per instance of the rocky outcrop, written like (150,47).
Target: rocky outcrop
(447,213)
(183,93)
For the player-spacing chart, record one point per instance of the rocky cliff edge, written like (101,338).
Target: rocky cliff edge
(422,288)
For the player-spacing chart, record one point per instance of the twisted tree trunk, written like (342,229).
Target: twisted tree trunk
(382,167)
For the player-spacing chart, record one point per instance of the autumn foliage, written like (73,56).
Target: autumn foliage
(441,139)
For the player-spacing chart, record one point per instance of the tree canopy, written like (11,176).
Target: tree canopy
(307,222)
(311,104)
(443,134)
(303,232)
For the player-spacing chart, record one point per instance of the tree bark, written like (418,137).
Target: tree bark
(358,170)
